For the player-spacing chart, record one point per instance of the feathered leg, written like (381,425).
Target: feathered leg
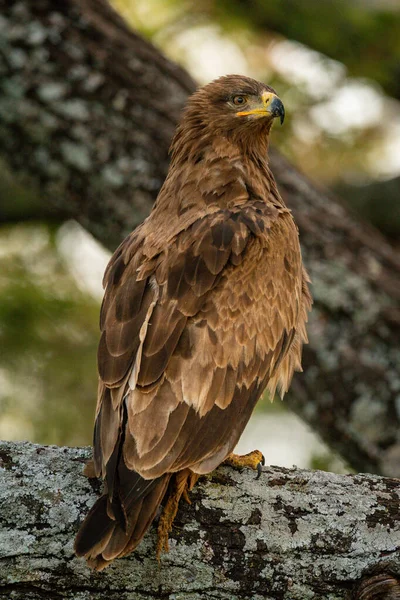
(184,482)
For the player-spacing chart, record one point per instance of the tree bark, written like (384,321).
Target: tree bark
(291,535)
(87,111)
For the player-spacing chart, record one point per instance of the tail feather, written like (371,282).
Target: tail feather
(95,531)
(147,514)
(103,537)
(120,538)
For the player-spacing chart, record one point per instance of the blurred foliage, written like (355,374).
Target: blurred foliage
(48,336)
(18,202)
(330,462)
(365,36)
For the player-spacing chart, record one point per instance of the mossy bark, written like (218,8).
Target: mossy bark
(291,535)
(87,112)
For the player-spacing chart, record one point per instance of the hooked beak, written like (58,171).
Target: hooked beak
(270,105)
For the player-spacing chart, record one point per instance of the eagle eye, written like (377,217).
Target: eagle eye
(239,100)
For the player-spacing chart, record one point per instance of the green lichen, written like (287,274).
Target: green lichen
(76,155)
(74,109)
(51,91)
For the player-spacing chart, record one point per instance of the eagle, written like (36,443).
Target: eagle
(204,309)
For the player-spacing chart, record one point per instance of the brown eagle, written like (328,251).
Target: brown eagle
(205,307)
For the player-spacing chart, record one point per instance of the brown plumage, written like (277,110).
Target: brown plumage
(205,307)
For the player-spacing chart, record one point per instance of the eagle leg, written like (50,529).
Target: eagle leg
(184,482)
(253,460)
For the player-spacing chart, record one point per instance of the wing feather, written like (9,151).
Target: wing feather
(189,364)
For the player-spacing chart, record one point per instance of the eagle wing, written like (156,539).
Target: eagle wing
(190,339)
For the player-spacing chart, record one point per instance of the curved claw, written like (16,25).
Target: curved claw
(260,466)
(253,460)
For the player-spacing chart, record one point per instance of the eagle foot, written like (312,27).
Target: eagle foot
(253,460)
(182,485)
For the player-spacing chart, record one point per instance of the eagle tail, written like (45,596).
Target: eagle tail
(113,528)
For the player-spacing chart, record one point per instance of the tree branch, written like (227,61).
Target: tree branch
(290,535)
(87,111)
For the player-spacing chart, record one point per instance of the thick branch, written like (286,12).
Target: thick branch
(87,111)
(290,535)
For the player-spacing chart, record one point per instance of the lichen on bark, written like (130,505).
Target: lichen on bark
(290,535)
(87,112)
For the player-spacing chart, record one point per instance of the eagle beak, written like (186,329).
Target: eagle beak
(277,109)
(270,105)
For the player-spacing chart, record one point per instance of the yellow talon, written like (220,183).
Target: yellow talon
(253,460)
